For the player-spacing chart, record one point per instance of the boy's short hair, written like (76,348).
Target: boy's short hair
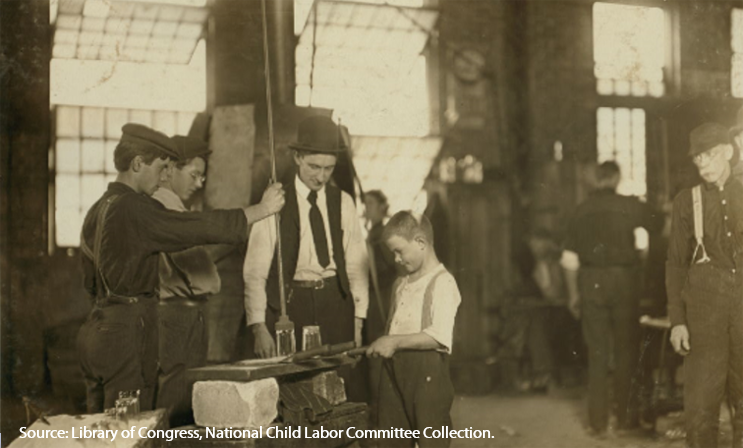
(126,151)
(405,225)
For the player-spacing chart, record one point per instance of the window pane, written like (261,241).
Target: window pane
(93,122)
(92,187)
(115,119)
(621,137)
(109,157)
(165,122)
(628,47)
(67,217)
(141,116)
(68,121)
(68,156)
(93,155)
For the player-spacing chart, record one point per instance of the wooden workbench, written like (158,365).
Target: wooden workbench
(256,369)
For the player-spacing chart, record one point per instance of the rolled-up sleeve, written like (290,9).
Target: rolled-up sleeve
(446,300)
(357,260)
(257,264)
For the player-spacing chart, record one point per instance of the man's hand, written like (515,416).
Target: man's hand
(574,306)
(265,347)
(273,198)
(680,339)
(384,347)
(358,325)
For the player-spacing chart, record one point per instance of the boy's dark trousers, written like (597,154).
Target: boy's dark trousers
(117,346)
(610,316)
(415,392)
(183,346)
(714,365)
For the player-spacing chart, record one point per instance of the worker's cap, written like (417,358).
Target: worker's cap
(189,148)
(142,135)
(707,136)
(319,134)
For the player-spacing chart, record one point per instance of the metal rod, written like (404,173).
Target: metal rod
(272,152)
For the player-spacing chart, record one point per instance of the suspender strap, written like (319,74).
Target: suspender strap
(95,253)
(696,194)
(427,314)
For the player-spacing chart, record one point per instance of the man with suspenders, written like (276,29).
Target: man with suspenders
(704,280)
(122,237)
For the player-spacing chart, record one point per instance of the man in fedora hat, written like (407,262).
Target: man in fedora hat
(324,254)
(704,280)
(122,237)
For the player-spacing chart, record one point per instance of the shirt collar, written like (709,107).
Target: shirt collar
(304,191)
(711,185)
(120,188)
(169,199)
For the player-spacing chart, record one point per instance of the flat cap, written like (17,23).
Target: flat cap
(140,134)
(189,147)
(706,137)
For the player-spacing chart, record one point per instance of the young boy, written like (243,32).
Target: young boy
(415,390)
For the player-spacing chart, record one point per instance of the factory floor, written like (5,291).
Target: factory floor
(556,420)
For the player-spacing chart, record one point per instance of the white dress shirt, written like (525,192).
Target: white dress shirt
(409,297)
(261,250)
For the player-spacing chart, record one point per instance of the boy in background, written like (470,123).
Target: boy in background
(415,390)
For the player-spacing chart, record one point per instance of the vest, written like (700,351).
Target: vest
(290,243)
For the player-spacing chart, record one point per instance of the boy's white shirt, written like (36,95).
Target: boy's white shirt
(409,298)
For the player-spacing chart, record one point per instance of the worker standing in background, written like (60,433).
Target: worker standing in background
(602,273)
(704,280)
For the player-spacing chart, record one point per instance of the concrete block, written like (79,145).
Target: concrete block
(330,386)
(224,404)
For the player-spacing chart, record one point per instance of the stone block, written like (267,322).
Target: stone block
(330,386)
(224,404)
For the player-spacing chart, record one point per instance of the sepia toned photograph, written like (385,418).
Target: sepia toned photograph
(371,223)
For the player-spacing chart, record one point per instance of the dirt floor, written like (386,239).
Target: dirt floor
(555,420)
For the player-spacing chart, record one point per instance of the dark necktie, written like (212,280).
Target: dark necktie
(318,231)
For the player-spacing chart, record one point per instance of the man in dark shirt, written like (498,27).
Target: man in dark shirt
(122,236)
(601,242)
(704,280)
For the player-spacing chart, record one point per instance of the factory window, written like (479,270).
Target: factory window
(621,138)
(84,163)
(366,61)
(116,62)
(629,49)
(736,40)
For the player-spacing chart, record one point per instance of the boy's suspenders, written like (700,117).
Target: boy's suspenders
(696,194)
(95,253)
(427,312)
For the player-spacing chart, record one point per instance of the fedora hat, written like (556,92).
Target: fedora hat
(318,134)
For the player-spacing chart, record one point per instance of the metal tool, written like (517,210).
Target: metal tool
(326,351)
(285,340)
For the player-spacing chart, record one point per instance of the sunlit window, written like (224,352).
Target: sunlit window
(629,49)
(365,61)
(84,163)
(621,138)
(737,46)
(116,62)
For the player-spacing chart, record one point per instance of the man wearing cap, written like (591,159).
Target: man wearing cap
(602,269)
(324,254)
(187,279)
(704,280)
(122,236)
